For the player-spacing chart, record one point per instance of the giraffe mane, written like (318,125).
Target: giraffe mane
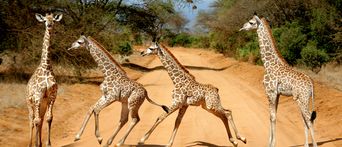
(108,55)
(183,68)
(269,31)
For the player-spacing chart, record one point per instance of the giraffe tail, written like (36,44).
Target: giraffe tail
(313,114)
(165,108)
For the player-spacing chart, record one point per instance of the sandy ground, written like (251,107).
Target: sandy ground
(240,89)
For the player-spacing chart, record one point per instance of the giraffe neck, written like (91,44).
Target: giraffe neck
(45,60)
(104,60)
(270,55)
(176,71)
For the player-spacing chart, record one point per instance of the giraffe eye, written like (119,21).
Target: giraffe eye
(250,23)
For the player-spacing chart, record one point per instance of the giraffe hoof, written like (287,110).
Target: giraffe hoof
(243,139)
(142,141)
(108,143)
(118,144)
(235,144)
(77,138)
(99,139)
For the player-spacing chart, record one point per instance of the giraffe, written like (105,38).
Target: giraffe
(41,89)
(189,92)
(115,87)
(281,79)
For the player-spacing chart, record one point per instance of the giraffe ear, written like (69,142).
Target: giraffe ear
(39,17)
(255,13)
(257,19)
(58,17)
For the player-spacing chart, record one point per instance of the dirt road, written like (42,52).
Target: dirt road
(240,89)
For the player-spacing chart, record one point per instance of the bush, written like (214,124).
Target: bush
(125,48)
(220,47)
(200,42)
(182,39)
(290,40)
(250,52)
(313,57)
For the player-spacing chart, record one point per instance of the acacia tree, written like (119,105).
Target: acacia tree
(150,17)
(111,22)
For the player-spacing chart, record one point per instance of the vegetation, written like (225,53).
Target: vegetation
(117,24)
(307,33)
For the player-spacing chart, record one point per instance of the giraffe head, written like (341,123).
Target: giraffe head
(153,49)
(80,42)
(49,19)
(252,24)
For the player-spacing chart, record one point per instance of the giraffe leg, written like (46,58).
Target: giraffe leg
(273,105)
(49,115)
(173,108)
(38,134)
(181,113)
(30,123)
(229,115)
(222,115)
(308,125)
(102,103)
(123,121)
(312,134)
(85,121)
(306,130)
(37,123)
(49,121)
(87,117)
(135,120)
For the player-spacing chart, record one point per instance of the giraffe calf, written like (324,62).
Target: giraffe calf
(189,92)
(41,90)
(115,87)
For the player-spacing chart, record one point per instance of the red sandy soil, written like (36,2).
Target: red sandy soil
(240,88)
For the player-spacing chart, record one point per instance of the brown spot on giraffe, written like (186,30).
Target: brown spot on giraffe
(115,87)
(281,79)
(189,92)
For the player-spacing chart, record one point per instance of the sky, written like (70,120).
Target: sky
(191,14)
(187,10)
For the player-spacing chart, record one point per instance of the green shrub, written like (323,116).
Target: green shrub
(200,42)
(125,48)
(182,39)
(250,52)
(313,57)
(220,47)
(290,40)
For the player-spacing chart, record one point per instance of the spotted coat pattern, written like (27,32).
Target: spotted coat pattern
(187,92)
(116,86)
(41,90)
(281,79)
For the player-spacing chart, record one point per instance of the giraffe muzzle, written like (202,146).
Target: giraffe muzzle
(142,53)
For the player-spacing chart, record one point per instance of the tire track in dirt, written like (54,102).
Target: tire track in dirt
(198,128)
(240,89)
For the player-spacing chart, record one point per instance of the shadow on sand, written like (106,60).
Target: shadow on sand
(20,76)
(202,143)
(75,144)
(192,144)
(320,142)
(145,69)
